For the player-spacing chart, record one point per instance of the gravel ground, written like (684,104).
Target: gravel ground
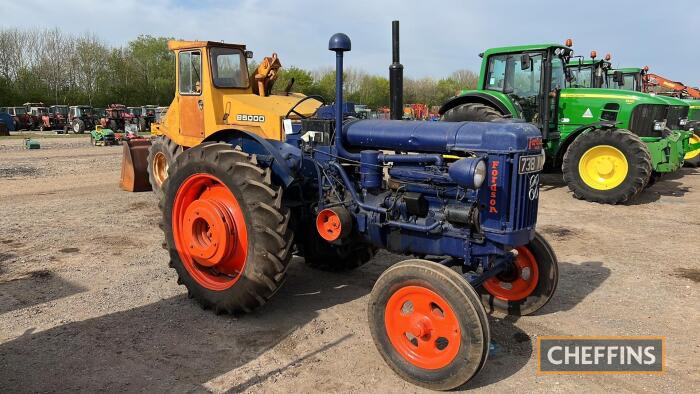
(88,303)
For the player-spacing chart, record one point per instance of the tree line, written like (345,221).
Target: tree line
(51,66)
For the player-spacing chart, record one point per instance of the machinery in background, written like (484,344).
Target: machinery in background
(81,118)
(608,143)
(58,118)
(100,136)
(115,117)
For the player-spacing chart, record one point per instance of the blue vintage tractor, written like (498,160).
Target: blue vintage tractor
(461,198)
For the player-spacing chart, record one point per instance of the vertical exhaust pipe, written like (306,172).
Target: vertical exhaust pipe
(396,75)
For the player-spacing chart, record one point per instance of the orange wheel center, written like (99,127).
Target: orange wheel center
(520,282)
(210,232)
(422,327)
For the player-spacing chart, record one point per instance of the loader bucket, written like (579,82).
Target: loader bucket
(134,176)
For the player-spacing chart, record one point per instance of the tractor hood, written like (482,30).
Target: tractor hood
(611,95)
(243,106)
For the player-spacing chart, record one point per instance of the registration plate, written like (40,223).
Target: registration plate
(528,164)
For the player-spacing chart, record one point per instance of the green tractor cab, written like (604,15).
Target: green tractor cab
(103,137)
(683,115)
(607,142)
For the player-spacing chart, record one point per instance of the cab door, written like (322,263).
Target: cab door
(190,97)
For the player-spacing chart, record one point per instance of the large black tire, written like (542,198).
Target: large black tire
(695,138)
(324,256)
(78,126)
(456,300)
(113,125)
(142,125)
(635,152)
(548,278)
(266,222)
(472,112)
(161,155)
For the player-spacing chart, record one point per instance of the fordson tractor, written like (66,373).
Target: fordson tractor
(606,142)
(259,177)
(638,79)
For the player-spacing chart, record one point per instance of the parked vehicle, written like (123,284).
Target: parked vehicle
(115,117)
(143,116)
(80,118)
(20,117)
(58,117)
(37,113)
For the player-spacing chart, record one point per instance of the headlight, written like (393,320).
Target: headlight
(683,121)
(479,174)
(469,172)
(659,125)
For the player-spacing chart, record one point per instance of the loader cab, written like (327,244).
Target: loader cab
(531,77)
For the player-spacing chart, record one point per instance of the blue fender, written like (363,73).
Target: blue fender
(282,157)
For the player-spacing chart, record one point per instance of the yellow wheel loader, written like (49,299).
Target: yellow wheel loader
(216,96)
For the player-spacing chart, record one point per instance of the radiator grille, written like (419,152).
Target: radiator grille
(643,117)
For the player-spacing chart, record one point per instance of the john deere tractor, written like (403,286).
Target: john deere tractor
(253,178)
(606,142)
(632,78)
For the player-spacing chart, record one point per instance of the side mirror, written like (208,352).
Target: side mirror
(249,54)
(525,62)
(619,78)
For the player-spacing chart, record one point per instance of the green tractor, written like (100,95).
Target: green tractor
(103,137)
(632,78)
(608,143)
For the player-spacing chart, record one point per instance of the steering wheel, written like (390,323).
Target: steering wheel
(294,111)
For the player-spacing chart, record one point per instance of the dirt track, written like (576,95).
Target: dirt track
(88,303)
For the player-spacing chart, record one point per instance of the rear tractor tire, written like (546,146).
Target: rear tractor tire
(225,228)
(607,166)
(428,324)
(528,286)
(161,155)
(472,112)
(78,126)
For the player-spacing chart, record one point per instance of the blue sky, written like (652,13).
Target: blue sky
(437,37)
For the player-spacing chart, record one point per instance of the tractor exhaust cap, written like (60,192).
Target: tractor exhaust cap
(339,42)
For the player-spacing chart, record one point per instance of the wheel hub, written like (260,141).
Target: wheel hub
(209,231)
(517,282)
(603,167)
(212,232)
(422,327)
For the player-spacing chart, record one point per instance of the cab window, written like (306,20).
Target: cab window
(580,77)
(228,68)
(190,66)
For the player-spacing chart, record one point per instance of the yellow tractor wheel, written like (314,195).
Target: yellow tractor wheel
(603,167)
(607,166)
(692,158)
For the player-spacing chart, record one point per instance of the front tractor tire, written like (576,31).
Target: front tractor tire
(428,324)
(225,228)
(472,112)
(528,285)
(692,158)
(161,155)
(607,166)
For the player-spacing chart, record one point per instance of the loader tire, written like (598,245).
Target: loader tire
(607,166)
(161,155)
(472,112)
(225,227)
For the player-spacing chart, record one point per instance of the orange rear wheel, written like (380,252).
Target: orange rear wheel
(210,231)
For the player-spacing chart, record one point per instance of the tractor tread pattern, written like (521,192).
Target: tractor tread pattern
(472,112)
(639,164)
(270,237)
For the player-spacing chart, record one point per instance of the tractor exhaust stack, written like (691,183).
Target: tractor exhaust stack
(396,75)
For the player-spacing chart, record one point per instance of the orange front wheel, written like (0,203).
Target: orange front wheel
(528,284)
(428,324)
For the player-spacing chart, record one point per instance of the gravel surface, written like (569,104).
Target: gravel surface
(88,303)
